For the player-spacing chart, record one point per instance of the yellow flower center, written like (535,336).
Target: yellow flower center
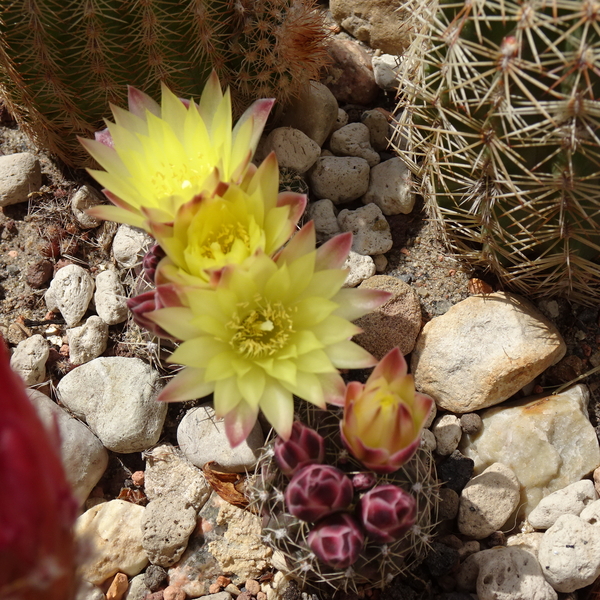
(172,179)
(221,241)
(262,332)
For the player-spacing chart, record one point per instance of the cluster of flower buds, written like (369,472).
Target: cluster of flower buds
(324,495)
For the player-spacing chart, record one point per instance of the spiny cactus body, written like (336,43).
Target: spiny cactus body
(62,63)
(502,114)
(350,543)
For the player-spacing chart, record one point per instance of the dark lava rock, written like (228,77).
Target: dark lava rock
(456,471)
(441,559)
(154,577)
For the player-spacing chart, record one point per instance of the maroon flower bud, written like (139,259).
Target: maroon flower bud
(363,481)
(337,540)
(316,491)
(160,297)
(387,512)
(150,261)
(304,447)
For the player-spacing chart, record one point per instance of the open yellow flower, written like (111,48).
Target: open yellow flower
(276,327)
(157,158)
(228,226)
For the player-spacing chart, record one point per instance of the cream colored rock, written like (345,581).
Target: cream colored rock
(110,298)
(390,187)
(359,268)
(293,148)
(112,531)
(487,501)
(483,350)
(88,341)
(548,442)
(324,215)
(447,432)
(354,139)
(526,541)
(71,291)
(370,230)
(339,178)
(29,359)
(86,197)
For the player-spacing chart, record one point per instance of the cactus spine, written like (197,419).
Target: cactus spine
(501,109)
(62,63)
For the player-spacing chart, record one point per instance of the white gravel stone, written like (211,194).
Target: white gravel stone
(354,140)
(371,233)
(314,111)
(591,513)
(86,197)
(130,245)
(360,268)
(293,148)
(568,501)
(526,541)
(342,119)
(83,456)
(202,439)
(29,359)
(548,442)
(113,533)
(323,213)
(483,350)
(390,187)
(339,178)
(378,126)
(20,174)
(137,588)
(385,71)
(570,554)
(428,440)
(117,398)
(381,262)
(166,526)
(110,299)
(70,292)
(447,432)
(487,501)
(87,341)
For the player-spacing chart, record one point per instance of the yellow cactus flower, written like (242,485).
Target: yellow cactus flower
(157,158)
(383,418)
(276,327)
(227,226)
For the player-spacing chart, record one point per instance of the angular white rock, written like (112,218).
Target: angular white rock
(110,299)
(86,197)
(339,178)
(293,148)
(354,140)
(83,456)
(70,292)
(29,359)
(371,232)
(130,245)
(569,554)
(483,350)
(548,442)
(113,533)
(87,341)
(568,501)
(20,174)
(385,71)
(117,398)
(390,187)
(447,432)
(359,268)
(202,439)
(526,541)
(487,501)
(323,213)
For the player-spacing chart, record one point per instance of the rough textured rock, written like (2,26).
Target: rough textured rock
(339,178)
(202,439)
(378,23)
(395,323)
(359,268)
(569,554)
(390,187)
(137,589)
(548,442)
(293,148)
(113,532)
(354,140)
(29,359)
(20,174)
(314,112)
(447,432)
(487,501)
(568,501)
(484,350)
(167,524)
(70,292)
(591,513)
(371,233)
(526,541)
(378,126)
(385,71)
(83,456)
(323,213)
(86,197)
(129,246)
(117,398)
(110,298)
(456,471)
(87,341)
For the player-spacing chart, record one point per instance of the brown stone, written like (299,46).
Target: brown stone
(39,273)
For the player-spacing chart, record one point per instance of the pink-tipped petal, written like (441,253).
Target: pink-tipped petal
(391,366)
(188,384)
(139,103)
(104,137)
(354,303)
(301,243)
(348,355)
(422,408)
(403,456)
(259,111)
(296,202)
(239,423)
(334,388)
(333,253)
